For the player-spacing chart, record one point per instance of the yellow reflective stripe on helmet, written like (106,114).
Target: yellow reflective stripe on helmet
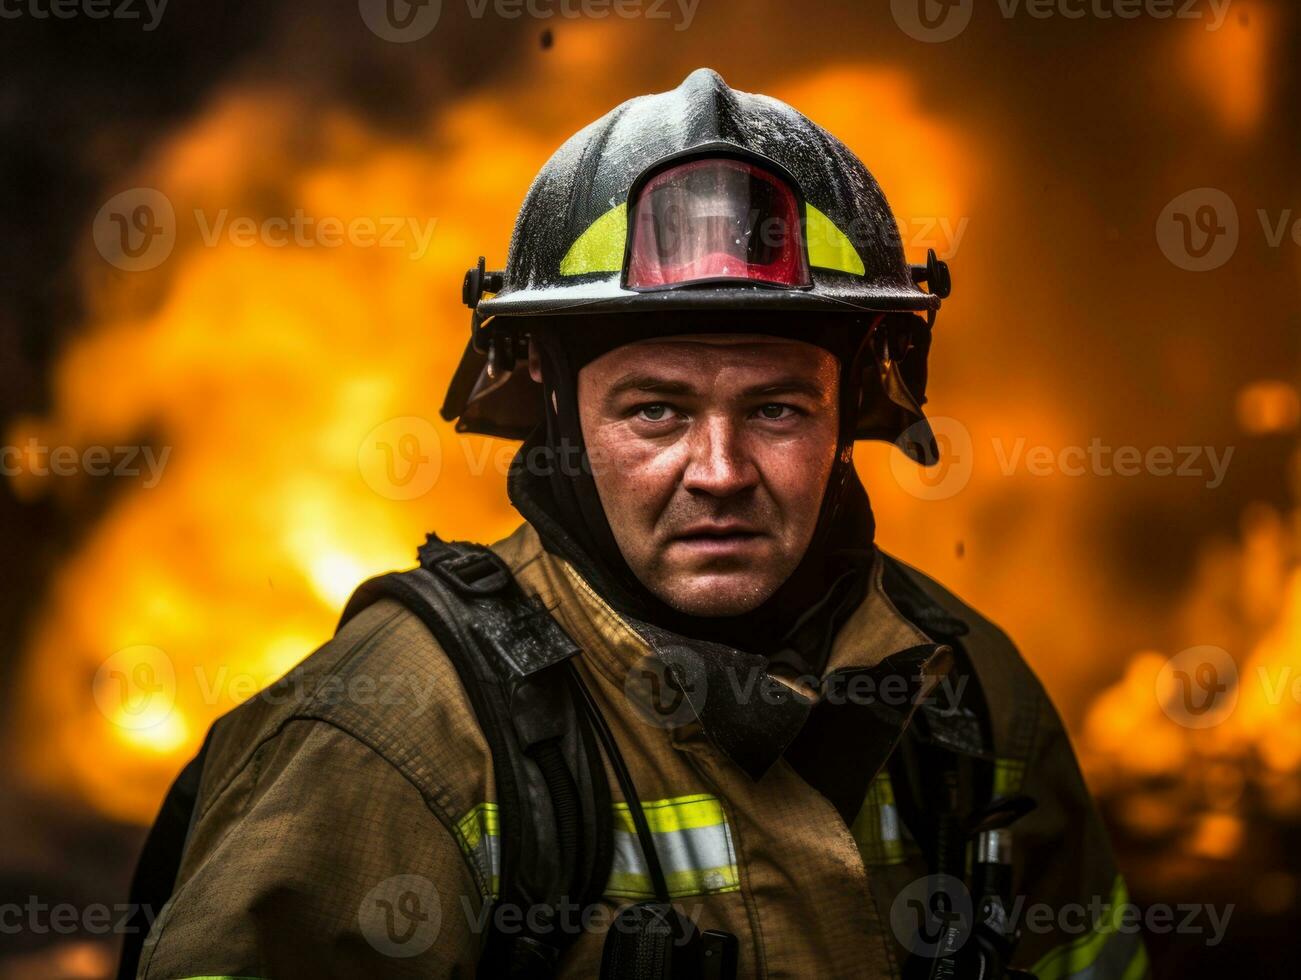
(1104,953)
(876,828)
(600,247)
(692,839)
(829,247)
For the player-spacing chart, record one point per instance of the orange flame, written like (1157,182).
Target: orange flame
(1188,776)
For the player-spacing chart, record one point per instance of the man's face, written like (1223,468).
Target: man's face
(711,454)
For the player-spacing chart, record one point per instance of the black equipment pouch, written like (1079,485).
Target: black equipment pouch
(654,941)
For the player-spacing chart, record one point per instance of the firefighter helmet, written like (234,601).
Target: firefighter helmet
(699,203)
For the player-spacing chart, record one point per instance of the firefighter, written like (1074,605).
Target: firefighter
(689,688)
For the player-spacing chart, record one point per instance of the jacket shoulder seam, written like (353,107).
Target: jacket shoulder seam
(246,760)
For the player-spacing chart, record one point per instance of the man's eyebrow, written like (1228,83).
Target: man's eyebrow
(791,385)
(651,384)
(654,384)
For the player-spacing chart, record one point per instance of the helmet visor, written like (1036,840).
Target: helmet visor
(716,219)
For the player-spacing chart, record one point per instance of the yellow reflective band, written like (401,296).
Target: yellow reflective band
(1079,958)
(682,884)
(678,813)
(480,821)
(1008,774)
(829,247)
(600,247)
(479,834)
(876,828)
(692,839)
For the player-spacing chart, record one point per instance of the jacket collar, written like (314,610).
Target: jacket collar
(695,688)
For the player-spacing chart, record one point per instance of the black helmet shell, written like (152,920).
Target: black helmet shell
(590,177)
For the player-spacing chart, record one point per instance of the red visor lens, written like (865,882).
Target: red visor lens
(716,219)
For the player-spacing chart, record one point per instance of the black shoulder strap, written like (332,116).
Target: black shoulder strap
(553,798)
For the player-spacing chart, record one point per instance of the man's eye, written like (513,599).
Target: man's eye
(775,411)
(654,413)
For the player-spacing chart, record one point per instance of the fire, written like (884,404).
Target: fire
(263,369)
(1199,778)
(1229,66)
(1268,406)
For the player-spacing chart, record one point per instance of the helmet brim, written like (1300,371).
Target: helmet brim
(831,294)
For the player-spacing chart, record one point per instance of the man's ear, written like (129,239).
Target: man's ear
(535,362)
(535,369)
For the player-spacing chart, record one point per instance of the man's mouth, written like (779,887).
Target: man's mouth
(718,539)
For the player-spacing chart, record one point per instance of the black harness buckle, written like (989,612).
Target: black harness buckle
(472,572)
(473,575)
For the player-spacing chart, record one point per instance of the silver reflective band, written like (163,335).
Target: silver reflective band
(994,847)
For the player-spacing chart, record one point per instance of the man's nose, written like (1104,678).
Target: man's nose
(718,464)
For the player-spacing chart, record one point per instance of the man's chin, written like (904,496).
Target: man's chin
(715,594)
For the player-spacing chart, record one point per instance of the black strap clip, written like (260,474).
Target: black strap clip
(473,573)
(935,273)
(479,281)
